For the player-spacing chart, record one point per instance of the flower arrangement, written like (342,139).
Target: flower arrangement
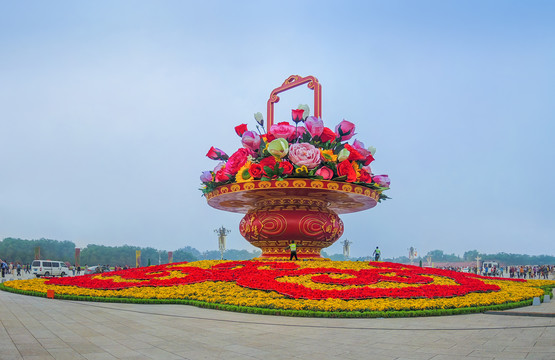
(285,151)
(307,288)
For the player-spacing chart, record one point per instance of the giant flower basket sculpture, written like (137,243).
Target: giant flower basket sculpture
(293,181)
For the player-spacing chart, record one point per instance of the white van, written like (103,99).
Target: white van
(49,268)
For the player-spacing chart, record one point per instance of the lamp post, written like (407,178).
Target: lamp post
(478,264)
(346,248)
(222,233)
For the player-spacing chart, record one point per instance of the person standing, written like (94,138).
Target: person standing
(293,248)
(4,266)
(377,254)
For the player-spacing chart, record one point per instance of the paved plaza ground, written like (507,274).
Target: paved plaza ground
(40,328)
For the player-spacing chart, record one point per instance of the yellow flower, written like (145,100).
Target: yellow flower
(243,174)
(303,170)
(356,167)
(328,155)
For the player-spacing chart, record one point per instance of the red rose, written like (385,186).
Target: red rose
(368,160)
(287,167)
(328,135)
(241,129)
(256,171)
(268,138)
(268,161)
(297,115)
(346,168)
(216,154)
(221,175)
(237,160)
(353,153)
(365,176)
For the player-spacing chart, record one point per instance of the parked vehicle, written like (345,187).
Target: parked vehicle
(96,269)
(49,268)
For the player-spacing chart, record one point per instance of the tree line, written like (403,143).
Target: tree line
(23,251)
(439,256)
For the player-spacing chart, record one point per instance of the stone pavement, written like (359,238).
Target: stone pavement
(40,328)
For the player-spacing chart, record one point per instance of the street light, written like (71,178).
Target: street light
(222,233)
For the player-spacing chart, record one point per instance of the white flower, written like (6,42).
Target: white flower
(306,109)
(259,118)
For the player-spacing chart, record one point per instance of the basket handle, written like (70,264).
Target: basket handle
(291,82)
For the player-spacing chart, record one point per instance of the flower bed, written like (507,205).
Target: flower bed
(306,288)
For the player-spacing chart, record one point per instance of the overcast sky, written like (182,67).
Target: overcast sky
(107,109)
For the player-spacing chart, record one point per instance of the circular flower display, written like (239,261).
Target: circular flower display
(327,286)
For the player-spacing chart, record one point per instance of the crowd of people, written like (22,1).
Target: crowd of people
(518,271)
(531,272)
(14,268)
(17,269)
(515,271)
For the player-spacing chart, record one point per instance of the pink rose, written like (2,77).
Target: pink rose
(345,130)
(251,140)
(359,146)
(314,125)
(236,161)
(325,172)
(218,167)
(382,180)
(282,130)
(304,154)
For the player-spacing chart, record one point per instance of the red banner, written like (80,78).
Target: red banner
(77,256)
